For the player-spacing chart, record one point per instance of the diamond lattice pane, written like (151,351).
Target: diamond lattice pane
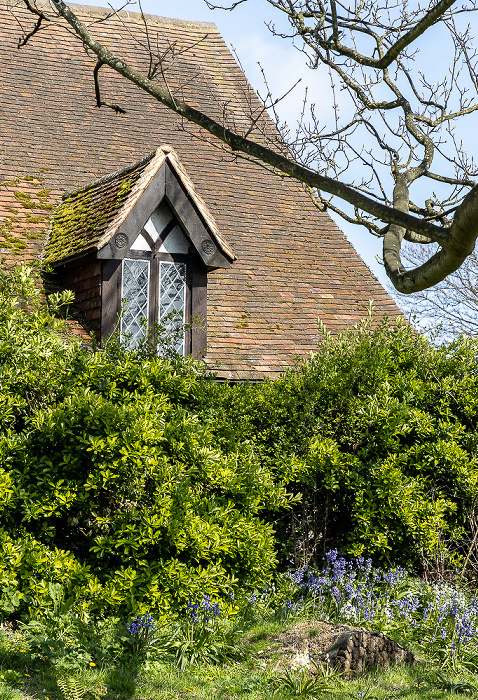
(135,292)
(172,299)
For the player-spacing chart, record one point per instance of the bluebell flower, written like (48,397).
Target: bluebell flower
(336,593)
(141,625)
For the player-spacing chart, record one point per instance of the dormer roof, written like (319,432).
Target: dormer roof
(92,217)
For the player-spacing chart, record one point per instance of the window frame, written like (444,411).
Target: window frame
(155,260)
(148,292)
(195,337)
(186,288)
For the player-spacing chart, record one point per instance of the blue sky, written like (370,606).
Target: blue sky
(245,31)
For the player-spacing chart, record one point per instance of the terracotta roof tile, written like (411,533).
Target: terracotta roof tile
(293,263)
(25,211)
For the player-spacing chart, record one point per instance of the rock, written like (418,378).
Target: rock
(359,649)
(346,649)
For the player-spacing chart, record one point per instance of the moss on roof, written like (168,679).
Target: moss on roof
(84,215)
(25,208)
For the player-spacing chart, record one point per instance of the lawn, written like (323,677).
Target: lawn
(242,648)
(250,679)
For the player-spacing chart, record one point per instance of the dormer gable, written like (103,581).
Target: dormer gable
(109,215)
(150,236)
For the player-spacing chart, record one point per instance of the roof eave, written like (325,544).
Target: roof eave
(71,258)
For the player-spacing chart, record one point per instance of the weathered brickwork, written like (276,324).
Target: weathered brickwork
(85,281)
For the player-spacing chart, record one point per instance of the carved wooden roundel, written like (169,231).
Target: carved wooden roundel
(121,240)
(208,247)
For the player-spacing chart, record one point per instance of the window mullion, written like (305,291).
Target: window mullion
(153,297)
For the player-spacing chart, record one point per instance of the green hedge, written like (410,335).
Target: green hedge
(137,482)
(377,433)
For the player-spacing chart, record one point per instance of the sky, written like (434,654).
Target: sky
(246,33)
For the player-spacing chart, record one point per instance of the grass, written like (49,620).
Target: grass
(247,680)
(246,649)
(253,678)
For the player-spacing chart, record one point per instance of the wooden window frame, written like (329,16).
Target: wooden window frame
(154,270)
(195,338)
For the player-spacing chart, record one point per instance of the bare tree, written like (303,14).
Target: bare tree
(400,131)
(449,309)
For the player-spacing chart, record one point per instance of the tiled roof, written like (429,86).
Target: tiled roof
(293,263)
(84,216)
(25,210)
(89,217)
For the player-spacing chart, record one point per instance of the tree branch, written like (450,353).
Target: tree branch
(41,18)
(464,232)
(386,59)
(251,148)
(99,101)
(414,132)
(430,18)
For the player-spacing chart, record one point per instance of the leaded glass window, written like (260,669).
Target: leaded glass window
(172,301)
(135,292)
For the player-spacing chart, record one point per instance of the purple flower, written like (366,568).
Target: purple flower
(336,593)
(141,625)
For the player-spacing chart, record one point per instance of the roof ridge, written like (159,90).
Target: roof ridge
(111,176)
(105,11)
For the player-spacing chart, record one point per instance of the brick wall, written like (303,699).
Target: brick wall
(85,282)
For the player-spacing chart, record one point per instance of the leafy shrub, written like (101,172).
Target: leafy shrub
(376,437)
(109,484)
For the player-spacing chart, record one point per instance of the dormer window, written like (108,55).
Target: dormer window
(157,282)
(143,242)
